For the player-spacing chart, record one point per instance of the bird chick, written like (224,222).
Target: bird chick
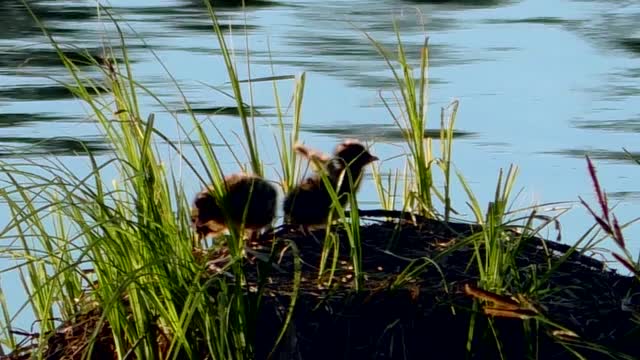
(309,204)
(248,200)
(350,158)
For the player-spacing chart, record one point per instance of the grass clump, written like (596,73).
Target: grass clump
(125,250)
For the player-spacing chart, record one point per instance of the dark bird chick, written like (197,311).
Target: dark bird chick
(309,204)
(349,159)
(248,200)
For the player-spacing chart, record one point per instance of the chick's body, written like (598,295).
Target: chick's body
(248,200)
(310,202)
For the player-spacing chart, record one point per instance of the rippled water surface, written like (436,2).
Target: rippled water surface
(541,83)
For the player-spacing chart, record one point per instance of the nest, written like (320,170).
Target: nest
(425,313)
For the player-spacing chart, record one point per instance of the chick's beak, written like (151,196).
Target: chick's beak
(373,158)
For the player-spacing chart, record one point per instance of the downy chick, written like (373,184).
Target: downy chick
(309,204)
(249,200)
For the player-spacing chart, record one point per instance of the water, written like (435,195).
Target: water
(540,84)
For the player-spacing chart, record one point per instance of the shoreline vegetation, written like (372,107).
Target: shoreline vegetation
(114,269)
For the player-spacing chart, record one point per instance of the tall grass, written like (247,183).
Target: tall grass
(493,254)
(413,102)
(412,120)
(127,248)
(248,126)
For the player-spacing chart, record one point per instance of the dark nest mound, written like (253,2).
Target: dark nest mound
(424,314)
(428,316)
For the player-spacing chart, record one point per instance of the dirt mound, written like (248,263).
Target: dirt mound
(416,298)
